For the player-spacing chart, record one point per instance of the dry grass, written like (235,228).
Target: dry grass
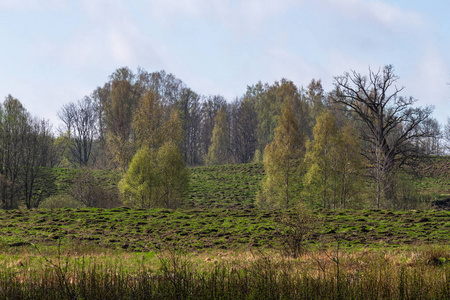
(330,273)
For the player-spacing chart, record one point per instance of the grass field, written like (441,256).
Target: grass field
(236,186)
(222,247)
(143,230)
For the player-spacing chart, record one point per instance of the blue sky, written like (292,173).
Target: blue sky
(56,51)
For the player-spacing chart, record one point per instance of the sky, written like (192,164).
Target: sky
(53,52)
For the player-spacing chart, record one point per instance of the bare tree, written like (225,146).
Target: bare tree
(101,97)
(243,125)
(189,107)
(35,155)
(430,144)
(25,147)
(80,122)
(390,123)
(447,135)
(13,119)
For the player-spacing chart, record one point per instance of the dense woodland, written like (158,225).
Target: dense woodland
(333,149)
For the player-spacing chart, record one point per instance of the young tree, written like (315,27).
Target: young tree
(157,175)
(349,167)
(209,110)
(155,178)
(219,150)
(391,124)
(321,155)
(138,185)
(173,175)
(334,174)
(283,164)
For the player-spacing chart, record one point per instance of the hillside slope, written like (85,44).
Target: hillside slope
(236,186)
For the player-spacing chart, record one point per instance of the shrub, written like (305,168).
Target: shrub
(61,201)
(88,190)
(295,228)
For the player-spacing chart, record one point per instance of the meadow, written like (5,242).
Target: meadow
(222,247)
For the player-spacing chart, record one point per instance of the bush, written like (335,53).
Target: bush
(61,201)
(88,190)
(405,194)
(295,228)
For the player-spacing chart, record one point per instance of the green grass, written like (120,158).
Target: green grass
(199,229)
(227,186)
(236,186)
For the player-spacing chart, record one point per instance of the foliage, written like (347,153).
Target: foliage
(61,201)
(151,128)
(283,164)
(335,169)
(218,152)
(155,178)
(173,175)
(258,157)
(118,114)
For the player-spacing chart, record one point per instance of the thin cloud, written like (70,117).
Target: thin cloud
(379,12)
(243,15)
(36,5)
(429,79)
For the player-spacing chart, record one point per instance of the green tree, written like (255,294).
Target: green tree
(119,116)
(334,177)
(155,178)
(350,167)
(321,155)
(283,164)
(173,176)
(157,175)
(139,184)
(148,121)
(218,152)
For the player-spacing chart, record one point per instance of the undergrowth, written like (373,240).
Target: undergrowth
(321,274)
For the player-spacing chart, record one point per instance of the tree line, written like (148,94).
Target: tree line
(315,145)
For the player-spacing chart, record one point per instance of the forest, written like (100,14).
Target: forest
(344,148)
